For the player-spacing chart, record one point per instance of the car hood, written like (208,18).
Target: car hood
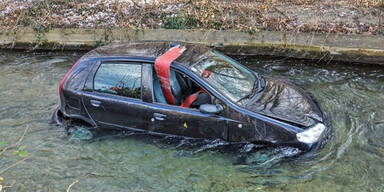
(286,101)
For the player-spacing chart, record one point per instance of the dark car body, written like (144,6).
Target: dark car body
(278,112)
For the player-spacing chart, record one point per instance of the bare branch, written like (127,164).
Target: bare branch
(17,143)
(18,162)
(69,187)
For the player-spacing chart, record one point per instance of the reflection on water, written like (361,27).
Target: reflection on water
(352,160)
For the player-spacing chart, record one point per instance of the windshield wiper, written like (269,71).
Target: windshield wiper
(253,91)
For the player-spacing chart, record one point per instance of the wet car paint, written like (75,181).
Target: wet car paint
(234,124)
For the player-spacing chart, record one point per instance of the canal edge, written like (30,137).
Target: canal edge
(327,47)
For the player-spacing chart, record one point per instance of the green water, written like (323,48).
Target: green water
(352,160)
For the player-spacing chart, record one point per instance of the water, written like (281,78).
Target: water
(351,95)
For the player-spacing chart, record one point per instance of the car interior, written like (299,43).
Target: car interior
(182,87)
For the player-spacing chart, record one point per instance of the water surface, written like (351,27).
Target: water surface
(351,95)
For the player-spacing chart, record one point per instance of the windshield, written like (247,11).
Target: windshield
(226,76)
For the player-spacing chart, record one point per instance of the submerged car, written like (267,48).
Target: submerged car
(188,90)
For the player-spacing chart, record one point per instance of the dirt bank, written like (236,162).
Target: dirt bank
(324,16)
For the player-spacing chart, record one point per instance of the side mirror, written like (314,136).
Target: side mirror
(211,109)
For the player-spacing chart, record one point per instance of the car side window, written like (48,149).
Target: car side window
(119,79)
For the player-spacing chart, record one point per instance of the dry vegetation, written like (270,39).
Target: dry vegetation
(336,16)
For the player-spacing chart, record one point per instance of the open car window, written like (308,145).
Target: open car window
(119,79)
(182,88)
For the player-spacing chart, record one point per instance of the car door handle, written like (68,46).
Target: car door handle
(159,116)
(95,103)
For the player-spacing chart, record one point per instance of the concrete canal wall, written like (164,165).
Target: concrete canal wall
(339,47)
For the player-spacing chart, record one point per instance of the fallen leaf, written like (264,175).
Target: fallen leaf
(23,154)
(21,148)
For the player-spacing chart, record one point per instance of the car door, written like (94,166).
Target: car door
(176,120)
(189,122)
(112,95)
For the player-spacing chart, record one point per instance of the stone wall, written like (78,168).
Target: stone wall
(349,48)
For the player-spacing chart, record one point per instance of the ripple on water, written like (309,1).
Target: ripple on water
(352,159)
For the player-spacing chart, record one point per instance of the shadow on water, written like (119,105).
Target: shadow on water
(351,95)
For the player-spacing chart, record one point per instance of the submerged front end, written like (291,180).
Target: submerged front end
(293,116)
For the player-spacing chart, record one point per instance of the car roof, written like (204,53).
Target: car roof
(193,53)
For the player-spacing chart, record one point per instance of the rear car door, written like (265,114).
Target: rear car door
(112,95)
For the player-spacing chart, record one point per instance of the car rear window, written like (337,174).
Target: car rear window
(119,79)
